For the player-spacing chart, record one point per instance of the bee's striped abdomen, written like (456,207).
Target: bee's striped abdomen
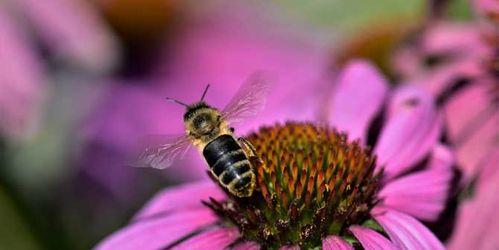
(230,165)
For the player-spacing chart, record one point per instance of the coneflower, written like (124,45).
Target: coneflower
(315,187)
(459,63)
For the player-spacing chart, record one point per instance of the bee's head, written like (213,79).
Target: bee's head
(201,119)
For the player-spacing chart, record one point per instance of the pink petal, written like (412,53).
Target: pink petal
(218,238)
(158,232)
(424,193)
(460,111)
(448,37)
(477,221)
(21,77)
(412,129)
(472,126)
(247,246)
(370,239)
(439,79)
(405,231)
(471,153)
(333,242)
(181,198)
(358,97)
(73,29)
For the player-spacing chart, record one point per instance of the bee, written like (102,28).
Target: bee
(208,129)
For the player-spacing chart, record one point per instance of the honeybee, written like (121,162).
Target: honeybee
(209,131)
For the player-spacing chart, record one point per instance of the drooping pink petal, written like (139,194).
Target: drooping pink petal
(73,29)
(412,129)
(460,111)
(247,246)
(362,82)
(436,81)
(472,126)
(423,194)
(21,77)
(155,233)
(184,197)
(405,231)
(333,242)
(218,238)
(477,220)
(460,39)
(370,239)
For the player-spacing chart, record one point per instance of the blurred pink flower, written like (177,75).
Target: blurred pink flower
(477,219)
(176,217)
(72,30)
(457,62)
(221,49)
(21,78)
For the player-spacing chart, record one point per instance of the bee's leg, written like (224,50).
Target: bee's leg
(247,147)
(231,129)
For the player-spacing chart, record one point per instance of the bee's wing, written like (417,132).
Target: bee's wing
(249,99)
(161,151)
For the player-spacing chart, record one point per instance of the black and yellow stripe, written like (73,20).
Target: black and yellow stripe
(229,164)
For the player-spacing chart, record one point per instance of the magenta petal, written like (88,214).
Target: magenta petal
(370,239)
(333,242)
(405,231)
(218,238)
(73,29)
(422,194)
(412,129)
(184,197)
(159,232)
(247,246)
(362,82)
(477,221)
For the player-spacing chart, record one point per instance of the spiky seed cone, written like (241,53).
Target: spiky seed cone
(311,182)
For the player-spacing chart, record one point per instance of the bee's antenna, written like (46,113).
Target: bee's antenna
(205,91)
(176,101)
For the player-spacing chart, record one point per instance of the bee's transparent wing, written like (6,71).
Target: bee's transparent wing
(161,151)
(249,99)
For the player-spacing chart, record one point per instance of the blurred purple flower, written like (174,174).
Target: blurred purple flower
(220,48)
(458,63)
(409,135)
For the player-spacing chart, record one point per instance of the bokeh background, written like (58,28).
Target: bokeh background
(81,80)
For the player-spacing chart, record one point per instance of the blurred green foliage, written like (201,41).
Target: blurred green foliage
(15,233)
(347,16)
